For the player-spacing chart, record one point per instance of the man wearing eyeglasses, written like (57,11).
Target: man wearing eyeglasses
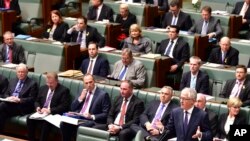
(187,123)
(156,115)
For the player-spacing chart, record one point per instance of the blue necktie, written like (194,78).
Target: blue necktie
(79,39)
(193,82)
(18,88)
(123,73)
(204,28)
(158,114)
(168,49)
(185,122)
(48,100)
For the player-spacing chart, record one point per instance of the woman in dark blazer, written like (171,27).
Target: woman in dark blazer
(56,28)
(233,117)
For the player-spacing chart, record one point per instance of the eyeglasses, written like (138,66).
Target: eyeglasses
(185,99)
(164,93)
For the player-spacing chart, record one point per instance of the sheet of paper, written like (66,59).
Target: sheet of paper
(10,65)
(212,65)
(150,55)
(37,115)
(5,99)
(54,119)
(70,73)
(70,120)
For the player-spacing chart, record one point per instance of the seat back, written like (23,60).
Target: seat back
(223,5)
(244,50)
(31,9)
(91,134)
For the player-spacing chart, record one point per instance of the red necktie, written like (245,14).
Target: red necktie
(7,4)
(123,112)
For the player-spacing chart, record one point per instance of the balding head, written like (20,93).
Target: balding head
(225,44)
(200,101)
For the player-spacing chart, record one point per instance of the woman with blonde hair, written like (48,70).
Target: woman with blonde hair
(136,42)
(232,117)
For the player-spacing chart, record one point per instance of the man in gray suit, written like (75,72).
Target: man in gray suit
(129,69)
(207,25)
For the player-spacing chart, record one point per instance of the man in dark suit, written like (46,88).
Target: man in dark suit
(10,52)
(95,113)
(238,87)
(212,116)
(3,85)
(95,64)
(99,11)
(176,48)
(225,54)
(207,25)
(162,4)
(53,98)
(195,78)
(242,8)
(177,17)
(11,4)
(83,34)
(156,115)
(188,123)
(124,112)
(20,94)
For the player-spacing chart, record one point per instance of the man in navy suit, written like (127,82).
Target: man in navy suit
(124,112)
(177,17)
(176,48)
(207,25)
(156,115)
(95,64)
(195,78)
(93,104)
(238,87)
(225,54)
(11,4)
(53,98)
(242,8)
(99,11)
(188,123)
(3,85)
(21,93)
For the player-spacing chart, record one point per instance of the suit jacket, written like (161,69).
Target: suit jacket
(101,67)
(92,35)
(244,95)
(163,4)
(99,106)
(134,110)
(136,72)
(213,119)
(14,5)
(175,126)
(60,101)
(17,53)
(59,33)
(239,120)
(213,26)
(27,95)
(202,82)
(149,113)
(231,58)
(3,85)
(184,21)
(237,9)
(131,19)
(181,51)
(106,13)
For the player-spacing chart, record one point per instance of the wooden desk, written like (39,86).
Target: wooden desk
(2,137)
(113,31)
(235,25)
(7,20)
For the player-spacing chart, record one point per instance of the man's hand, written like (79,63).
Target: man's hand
(14,99)
(173,68)
(45,111)
(83,94)
(154,132)
(113,129)
(198,133)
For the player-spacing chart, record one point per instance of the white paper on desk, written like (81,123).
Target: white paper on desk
(244,41)
(70,73)
(70,18)
(101,22)
(220,12)
(57,43)
(6,100)
(212,65)
(172,139)
(10,65)
(160,29)
(6,140)
(106,49)
(31,38)
(71,120)
(54,119)
(38,116)
(150,55)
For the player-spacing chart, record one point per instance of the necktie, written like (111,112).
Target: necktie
(243,10)
(79,38)
(123,73)
(90,67)
(7,4)
(168,49)
(48,100)
(223,54)
(236,89)
(10,55)
(18,88)
(85,105)
(204,28)
(193,82)
(185,122)
(174,20)
(158,114)
(123,112)
(95,17)
(156,2)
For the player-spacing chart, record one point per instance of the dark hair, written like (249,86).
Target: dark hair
(92,42)
(85,20)
(177,28)
(174,3)
(131,85)
(56,12)
(242,67)
(207,8)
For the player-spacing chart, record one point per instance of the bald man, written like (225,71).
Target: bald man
(225,54)
(212,116)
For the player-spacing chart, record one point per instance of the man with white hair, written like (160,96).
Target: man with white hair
(21,94)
